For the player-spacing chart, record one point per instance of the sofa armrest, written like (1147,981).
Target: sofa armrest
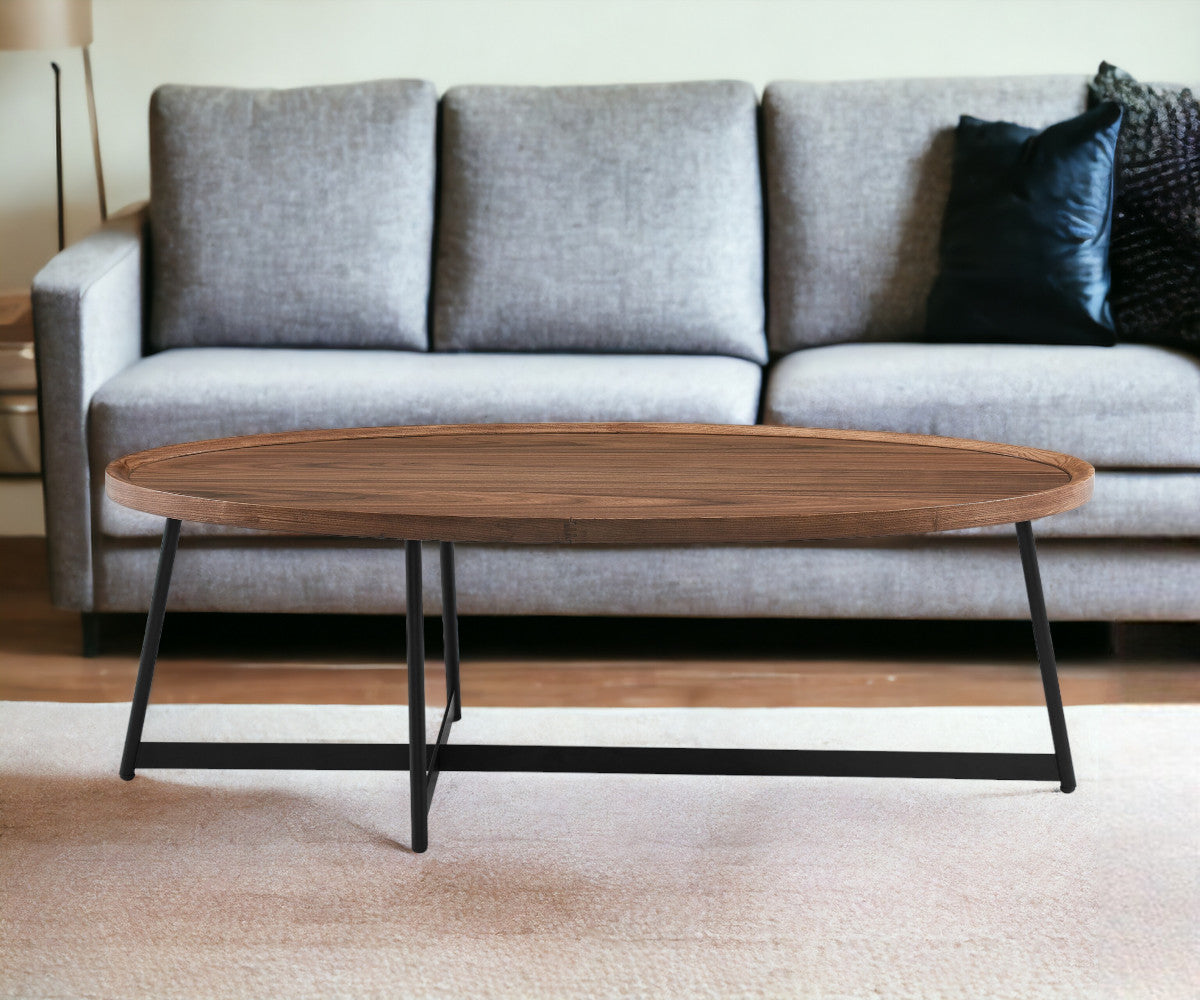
(88,325)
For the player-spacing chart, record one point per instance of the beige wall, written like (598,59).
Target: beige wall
(141,43)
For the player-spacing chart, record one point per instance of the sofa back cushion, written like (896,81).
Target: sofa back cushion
(857,177)
(292,217)
(614,218)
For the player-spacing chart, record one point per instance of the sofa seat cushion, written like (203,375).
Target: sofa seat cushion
(1129,406)
(292,218)
(190,394)
(1135,503)
(616,218)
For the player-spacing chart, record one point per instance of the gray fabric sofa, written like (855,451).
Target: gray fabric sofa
(370,255)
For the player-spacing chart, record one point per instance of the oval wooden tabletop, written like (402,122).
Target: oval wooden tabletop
(601,483)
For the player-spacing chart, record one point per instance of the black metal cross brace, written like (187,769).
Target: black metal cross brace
(424,763)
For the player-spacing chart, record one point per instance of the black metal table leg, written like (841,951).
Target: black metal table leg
(154,623)
(1045,653)
(450,632)
(426,761)
(414,627)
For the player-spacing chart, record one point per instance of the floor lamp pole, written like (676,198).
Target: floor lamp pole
(91,103)
(58,147)
(62,238)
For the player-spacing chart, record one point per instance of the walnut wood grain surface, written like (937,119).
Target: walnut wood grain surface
(599,483)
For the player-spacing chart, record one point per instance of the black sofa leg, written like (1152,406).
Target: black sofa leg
(90,623)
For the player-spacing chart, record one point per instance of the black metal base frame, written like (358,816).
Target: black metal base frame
(425,762)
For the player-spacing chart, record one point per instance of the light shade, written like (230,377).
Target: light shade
(45,24)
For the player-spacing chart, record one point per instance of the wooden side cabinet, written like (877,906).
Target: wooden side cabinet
(20,449)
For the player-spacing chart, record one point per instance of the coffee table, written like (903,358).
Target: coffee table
(578,484)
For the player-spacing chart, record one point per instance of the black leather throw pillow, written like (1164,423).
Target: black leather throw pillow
(1155,255)
(1024,248)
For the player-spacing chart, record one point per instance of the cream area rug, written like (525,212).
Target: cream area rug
(300,884)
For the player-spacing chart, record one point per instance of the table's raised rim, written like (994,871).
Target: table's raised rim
(616,527)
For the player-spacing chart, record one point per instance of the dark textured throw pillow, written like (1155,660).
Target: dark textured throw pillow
(1155,256)
(1024,249)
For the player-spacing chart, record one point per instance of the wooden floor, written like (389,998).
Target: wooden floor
(261,659)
